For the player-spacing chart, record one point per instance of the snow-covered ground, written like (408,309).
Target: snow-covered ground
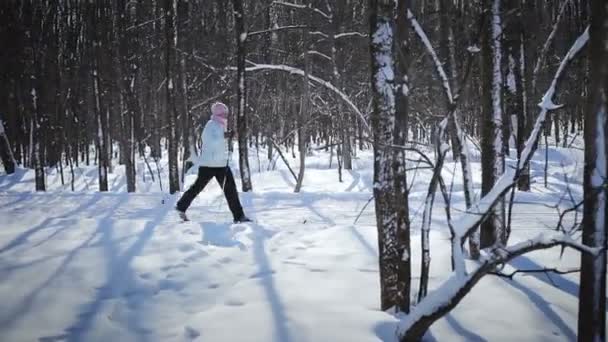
(87,266)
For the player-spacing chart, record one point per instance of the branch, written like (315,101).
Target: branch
(547,44)
(451,292)
(540,270)
(315,52)
(278,148)
(331,87)
(439,67)
(350,34)
(298,6)
(468,221)
(275,29)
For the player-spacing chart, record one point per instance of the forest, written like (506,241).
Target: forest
(461,108)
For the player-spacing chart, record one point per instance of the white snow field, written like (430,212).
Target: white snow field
(89,266)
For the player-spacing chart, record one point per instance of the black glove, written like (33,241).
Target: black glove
(228,134)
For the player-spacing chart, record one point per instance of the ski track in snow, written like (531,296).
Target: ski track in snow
(87,266)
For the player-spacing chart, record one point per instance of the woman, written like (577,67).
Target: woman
(213,162)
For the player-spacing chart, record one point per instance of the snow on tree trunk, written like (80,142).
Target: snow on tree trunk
(241,94)
(492,229)
(592,294)
(399,164)
(392,253)
(171,46)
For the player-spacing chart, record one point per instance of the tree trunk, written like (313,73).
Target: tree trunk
(399,165)
(391,249)
(492,166)
(592,294)
(128,74)
(241,94)
(303,117)
(6,153)
(171,46)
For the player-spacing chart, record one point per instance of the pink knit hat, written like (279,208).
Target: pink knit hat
(219,113)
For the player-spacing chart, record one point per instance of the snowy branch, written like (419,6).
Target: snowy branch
(320,54)
(350,34)
(319,33)
(543,53)
(298,6)
(275,29)
(328,85)
(449,294)
(439,67)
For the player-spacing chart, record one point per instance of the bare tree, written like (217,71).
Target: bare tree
(592,294)
(493,164)
(393,255)
(241,93)
(170,7)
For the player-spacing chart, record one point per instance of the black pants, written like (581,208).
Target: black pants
(224,177)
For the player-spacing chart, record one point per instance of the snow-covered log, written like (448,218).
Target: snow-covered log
(454,289)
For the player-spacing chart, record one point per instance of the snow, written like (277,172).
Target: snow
(473,49)
(497,83)
(511,85)
(384,78)
(89,266)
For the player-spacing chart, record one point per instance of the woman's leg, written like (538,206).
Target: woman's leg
(226,179)
(204,176)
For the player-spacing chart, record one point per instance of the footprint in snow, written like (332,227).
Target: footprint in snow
(172,267)
(262,274)
(234,302)
(195,257)
(191,333)
(185,247)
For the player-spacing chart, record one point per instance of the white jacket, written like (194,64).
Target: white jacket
(214,152)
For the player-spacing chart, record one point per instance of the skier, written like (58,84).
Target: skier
(213,162)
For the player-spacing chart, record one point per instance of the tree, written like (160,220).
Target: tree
(393,254)
(6,154)
(170,88)
(592,294)
(127,87)
(492,166)
(241,94)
